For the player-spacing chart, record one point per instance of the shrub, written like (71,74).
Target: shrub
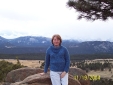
(6,67)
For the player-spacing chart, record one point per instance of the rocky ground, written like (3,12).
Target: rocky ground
(31,76)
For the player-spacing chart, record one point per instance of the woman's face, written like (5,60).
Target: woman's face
(56,41)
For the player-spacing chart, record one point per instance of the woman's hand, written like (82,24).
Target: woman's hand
(42,73)
(63,74)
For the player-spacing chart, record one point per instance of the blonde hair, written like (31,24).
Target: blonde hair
(58,37)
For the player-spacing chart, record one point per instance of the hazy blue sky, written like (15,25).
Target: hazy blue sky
(48,17)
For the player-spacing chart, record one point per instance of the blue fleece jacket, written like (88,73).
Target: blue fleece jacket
(57,58)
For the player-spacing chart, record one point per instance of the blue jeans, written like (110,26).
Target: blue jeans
(56,80)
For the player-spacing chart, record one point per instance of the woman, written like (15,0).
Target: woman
(57,57)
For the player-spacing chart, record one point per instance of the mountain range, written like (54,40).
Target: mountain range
(39,44)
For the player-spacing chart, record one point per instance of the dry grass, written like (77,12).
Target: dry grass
(29,63)
(104,74)
(35,63)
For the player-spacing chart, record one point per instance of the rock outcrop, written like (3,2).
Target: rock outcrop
(31,76)
(37,79)
(80,75)
(21,74)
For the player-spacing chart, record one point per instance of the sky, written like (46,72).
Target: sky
(49,17)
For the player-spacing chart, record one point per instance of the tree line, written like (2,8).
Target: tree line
(41,56)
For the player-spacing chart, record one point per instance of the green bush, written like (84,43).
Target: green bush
(6,67)
(42,65)
(102,81)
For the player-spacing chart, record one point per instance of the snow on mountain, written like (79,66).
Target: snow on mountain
(41,43)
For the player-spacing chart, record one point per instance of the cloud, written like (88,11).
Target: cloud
(11,34)
(45,18)
(16,16)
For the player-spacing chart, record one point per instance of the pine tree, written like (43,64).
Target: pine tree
(18,62)
(93,9)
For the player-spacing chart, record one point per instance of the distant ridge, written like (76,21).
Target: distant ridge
(39,44)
